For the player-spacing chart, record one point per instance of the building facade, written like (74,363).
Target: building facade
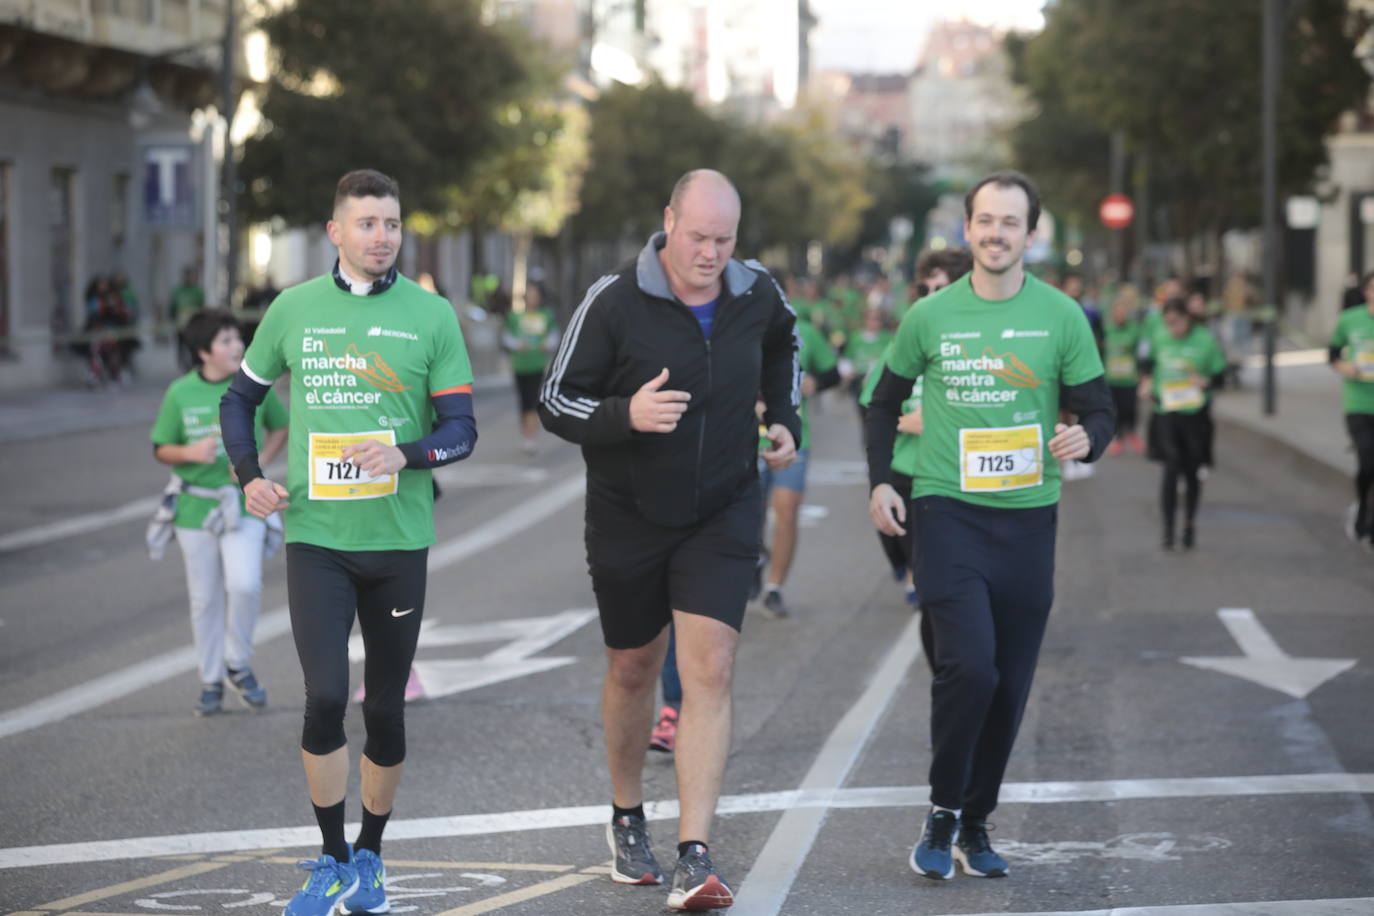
(100,171)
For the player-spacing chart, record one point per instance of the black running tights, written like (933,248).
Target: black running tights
(1168,494)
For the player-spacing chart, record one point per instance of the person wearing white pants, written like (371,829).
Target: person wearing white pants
(222,545)
(224,578)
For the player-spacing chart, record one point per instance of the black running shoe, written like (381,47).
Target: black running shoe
(629,840)
(696,883)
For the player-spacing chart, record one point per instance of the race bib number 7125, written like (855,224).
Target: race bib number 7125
(1002,458)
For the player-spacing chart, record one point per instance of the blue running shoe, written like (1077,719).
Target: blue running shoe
(931,857)
(329,882)
(974,852)
(370,897)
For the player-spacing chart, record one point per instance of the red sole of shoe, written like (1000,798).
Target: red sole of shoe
(713,895)
(646,879)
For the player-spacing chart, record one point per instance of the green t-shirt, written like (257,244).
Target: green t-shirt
(186,299)
(362,367)
(530,336)
(1119,343)
(1178,366)
(992,373)
(189,413)
(1354,336)
(864,350)
(816,357)
(904,448)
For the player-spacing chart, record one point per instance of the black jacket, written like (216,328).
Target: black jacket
(626,331)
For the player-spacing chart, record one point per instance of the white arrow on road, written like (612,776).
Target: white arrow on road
(1264,662)
(520,638)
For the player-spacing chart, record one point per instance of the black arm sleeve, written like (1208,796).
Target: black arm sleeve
(1147,366)
(1333,354)
(1091,402)
(880,424)
(827,379)
(453,436)
(236,411)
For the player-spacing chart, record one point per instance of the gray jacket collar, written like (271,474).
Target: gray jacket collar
(651,278)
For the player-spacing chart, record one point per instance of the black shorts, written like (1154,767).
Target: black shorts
(642,572)
(527,389)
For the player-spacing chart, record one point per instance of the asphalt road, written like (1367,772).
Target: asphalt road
(1239,781)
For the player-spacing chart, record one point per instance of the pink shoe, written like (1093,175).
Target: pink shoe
(414,689)
(1116,448)
(664,738)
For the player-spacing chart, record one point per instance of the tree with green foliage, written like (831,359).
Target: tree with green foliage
(419,89)
(1180,79)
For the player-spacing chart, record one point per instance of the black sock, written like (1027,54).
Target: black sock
(683,847)
(618,812)
(370,836)
(331,822)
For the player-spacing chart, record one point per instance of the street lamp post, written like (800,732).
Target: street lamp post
(1271,54)
(229,169)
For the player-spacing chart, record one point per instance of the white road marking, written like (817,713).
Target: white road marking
(121,683)
(81,524)
(595,815)
(442,677)
(1264,662)
(1349,906)
(765,889)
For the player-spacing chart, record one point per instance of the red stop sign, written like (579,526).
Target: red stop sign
(1116,211)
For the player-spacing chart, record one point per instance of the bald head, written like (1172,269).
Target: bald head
(701,220)
(704,186)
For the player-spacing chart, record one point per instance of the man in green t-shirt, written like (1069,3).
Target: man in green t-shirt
(996,349)
(222,548)
(1352,355)
(1121,336)
(783,489)
(531,335)
(381,393)
(185,300)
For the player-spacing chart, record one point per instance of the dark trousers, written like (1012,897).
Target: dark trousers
(987,583)
(1361,429)
(1127,404)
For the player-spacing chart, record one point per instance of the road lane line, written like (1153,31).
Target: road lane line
(1034,793)
(105,893)
(764,890)
(533,892)
(128,680)
(81,524)
(1347,906)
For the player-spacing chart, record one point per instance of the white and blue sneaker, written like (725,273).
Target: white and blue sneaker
(329,882)
(931,856)
(370,897)
(974,852)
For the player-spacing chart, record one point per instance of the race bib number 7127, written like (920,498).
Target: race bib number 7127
(333,477)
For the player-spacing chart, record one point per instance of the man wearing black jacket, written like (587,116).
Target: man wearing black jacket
(656,379)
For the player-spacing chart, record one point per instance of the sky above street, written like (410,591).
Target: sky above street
(879,36)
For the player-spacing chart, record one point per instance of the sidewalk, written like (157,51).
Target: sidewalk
(1308,416)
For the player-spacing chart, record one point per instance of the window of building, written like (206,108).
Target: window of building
(62,244)
(4,257)
(119,214)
